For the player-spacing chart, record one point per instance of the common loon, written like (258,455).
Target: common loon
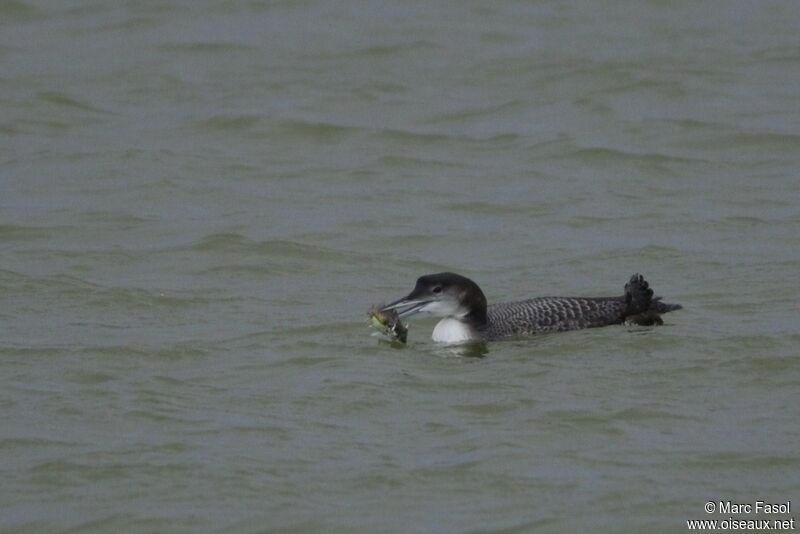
(468,318)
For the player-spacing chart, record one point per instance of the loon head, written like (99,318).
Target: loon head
(448,295)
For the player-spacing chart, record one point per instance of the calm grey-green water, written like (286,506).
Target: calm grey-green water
(199,200)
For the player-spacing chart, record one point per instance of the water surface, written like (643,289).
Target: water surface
(200,200)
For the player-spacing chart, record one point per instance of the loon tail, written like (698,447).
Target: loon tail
(641,307)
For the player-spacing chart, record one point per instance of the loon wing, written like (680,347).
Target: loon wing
(554,314)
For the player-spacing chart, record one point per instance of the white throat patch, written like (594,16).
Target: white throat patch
(451,330)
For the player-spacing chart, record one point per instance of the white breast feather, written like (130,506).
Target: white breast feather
(450,330)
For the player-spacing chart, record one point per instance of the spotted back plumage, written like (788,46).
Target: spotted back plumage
(551,314)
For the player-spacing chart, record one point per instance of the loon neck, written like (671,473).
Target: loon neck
(477,316)
(474,301)
(466,326)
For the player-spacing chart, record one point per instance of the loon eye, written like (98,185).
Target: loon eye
(437,289)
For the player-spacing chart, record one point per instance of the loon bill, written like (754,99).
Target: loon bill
(467,317)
